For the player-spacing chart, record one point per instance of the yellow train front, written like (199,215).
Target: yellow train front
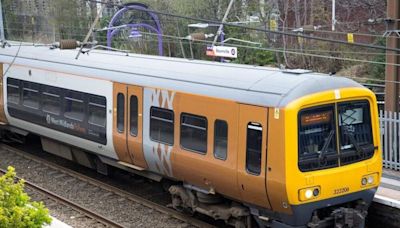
(332,160)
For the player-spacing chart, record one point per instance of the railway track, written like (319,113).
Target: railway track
(108,191)
(46,195)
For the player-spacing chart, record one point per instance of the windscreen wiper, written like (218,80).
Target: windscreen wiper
(353,141)
(326,146)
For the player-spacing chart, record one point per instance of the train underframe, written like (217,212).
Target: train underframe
(349,214)
(349,211)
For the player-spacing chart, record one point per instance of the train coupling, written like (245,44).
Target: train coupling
(342,217)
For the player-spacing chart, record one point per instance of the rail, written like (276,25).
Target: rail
(65,202)
(129,196)
(390,139)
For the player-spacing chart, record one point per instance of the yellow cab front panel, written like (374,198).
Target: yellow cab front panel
(327,162)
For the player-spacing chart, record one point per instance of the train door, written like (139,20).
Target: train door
(252,155)
(135,125)
(127,125)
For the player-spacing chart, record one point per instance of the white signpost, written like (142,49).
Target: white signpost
(222,51)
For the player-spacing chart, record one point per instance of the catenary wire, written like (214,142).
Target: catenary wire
(262,30)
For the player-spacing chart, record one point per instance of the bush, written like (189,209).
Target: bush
(16,208)
(378,71)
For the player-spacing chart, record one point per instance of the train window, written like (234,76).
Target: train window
(13,91)
(97,111)
(317,138)
(30,95)
(74,106)
(194,133)
(51,100)
(162,125)
(120,112)
(134,115)
(253,148)
(220,139)
(355,132)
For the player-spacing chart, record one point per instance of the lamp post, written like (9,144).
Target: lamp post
(135,34)
(112,31)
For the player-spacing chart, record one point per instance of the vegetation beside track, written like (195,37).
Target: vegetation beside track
(16,207)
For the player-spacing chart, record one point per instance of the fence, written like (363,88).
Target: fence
(390,139)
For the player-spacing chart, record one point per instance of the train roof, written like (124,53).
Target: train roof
(256,85)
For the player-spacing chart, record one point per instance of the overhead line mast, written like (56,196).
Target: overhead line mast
(2,36)
(392,90)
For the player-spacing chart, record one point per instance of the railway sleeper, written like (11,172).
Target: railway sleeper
(187,200)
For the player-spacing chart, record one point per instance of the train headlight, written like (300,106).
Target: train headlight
(309,193)
(369,180)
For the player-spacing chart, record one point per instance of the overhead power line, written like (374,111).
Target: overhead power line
(284,51)
(287,29)
(259,29)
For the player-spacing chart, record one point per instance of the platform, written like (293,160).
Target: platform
(389,191)
(55,223)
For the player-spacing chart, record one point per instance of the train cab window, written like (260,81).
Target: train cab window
(194,133)
(355,132)
(30,95)
(162,125)
(134,115)
(97,111)
(74,106)
(51,100)
(317,138)
(120,112)
(220,139)
(253,148)
(13,95)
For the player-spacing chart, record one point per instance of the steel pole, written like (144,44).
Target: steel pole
(96,20)
(333,15)
(223,21)
(392,72)
(2,36)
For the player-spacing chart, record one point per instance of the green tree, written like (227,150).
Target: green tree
(377,71)
(16,208)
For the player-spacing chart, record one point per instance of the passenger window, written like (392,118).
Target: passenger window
(74,106)
(13,91)
(51,100)
(220,139)
(30,95)
(194,133)
(97,111)
(162,125)
(134,115)
(120,112)
(253,148)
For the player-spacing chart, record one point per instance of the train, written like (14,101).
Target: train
(251,146)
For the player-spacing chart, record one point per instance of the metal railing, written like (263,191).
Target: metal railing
(390,139)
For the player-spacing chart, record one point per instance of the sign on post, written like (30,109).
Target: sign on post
(222,51)
(350,37)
